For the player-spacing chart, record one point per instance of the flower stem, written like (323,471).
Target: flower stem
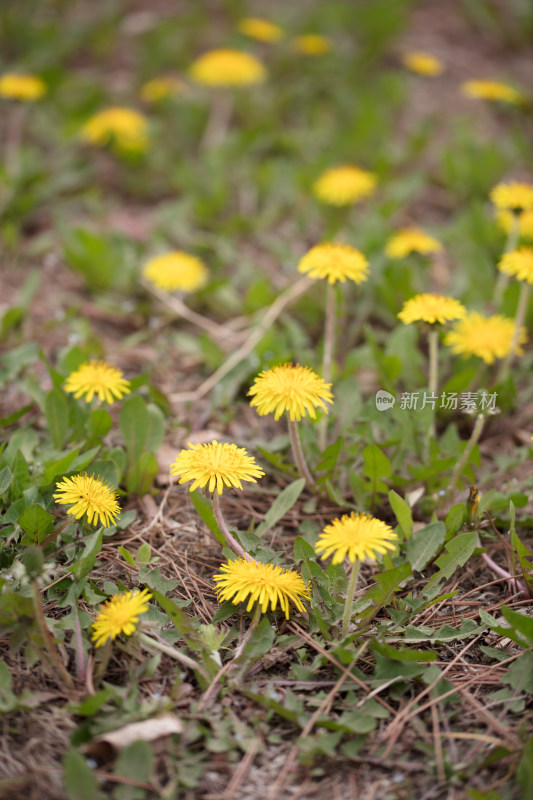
(476,433)
(433,379)
(49,642)
(190,663)
(327,361)
(253,625)
(298,453)
(230,539)
(348,603)
(510,245)
(521,312)
(219,119)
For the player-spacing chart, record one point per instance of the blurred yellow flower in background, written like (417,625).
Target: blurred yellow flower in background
(488,338)
(513,196)
(122,128)
(525,222)
(492,90)
(311,44)
(344,185)
(176,271)
(411,240)
(518,264)
(21,86)
(336,262)
(160,88)
(219,68)
(119,614)
(260,29)
(422,63)
(431,308)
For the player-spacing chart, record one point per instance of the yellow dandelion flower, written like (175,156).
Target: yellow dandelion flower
(431,308)
(227,68)
(98,378)
(160,88)
(505,220)
(423,63)
(119,614)
(122,128)
(518,263)
(266,584)
(260,29)
(344,185)
(215,465)
(492,90)
(488,338)
(88,496)
(411,240)
(513,196)
(357,536)
(312,44)
(297,390)
(21,86)
(336,262)
(176,270)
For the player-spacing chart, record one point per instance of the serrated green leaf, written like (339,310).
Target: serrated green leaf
(283,502)
(36,522)
(459,549)
(376,467)
(6,478)
(260,641)
(424,544)
(522,626)
(302,549)
(402,512)
(403,653)
(86,561)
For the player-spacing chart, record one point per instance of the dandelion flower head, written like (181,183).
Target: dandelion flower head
(488,338)
(506,219)
(160,88)
(215,465)
(311,44)
(431,308)
(357,536)
(423,63)
(411,240)
(122,128)
(119,614)
(21,86)
(518,264)
(218,68)
(88,496)
(176,270)
(513,196)
(261,29)
(344,185)
(295,389)
(266,584)
(336,262)
(98,378)
(492,90)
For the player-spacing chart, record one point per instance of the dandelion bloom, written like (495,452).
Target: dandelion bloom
(20,86)
(518,263)
(260,29)
(492,90)
(411,240)
(513,196)
(312,44)
(431,308)
(176,270)
(98,378)
(344,185)
(357,536)
(423,63)
(297,390)
(505,220)
(488,338)
(119,614)
(90,496)
(336,262)
(266,584)
(123,128)
(160,88)
(227,68)
(215,465)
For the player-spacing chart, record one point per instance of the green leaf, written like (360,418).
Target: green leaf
(524,772)
(425,544)
(56,412)
(106,469)
(80,783)
(376,467)
(86,561)
(135,762)
(302,549)
(259,643)
(205,510)
(455,519)
(59,466)
(403,653)
(99,424)
(459,549)
(133,422)
(283,502)
(519,674)
(521,624)
(141,475)
(6,477)
(36,522)
(126,555)
(402,512)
